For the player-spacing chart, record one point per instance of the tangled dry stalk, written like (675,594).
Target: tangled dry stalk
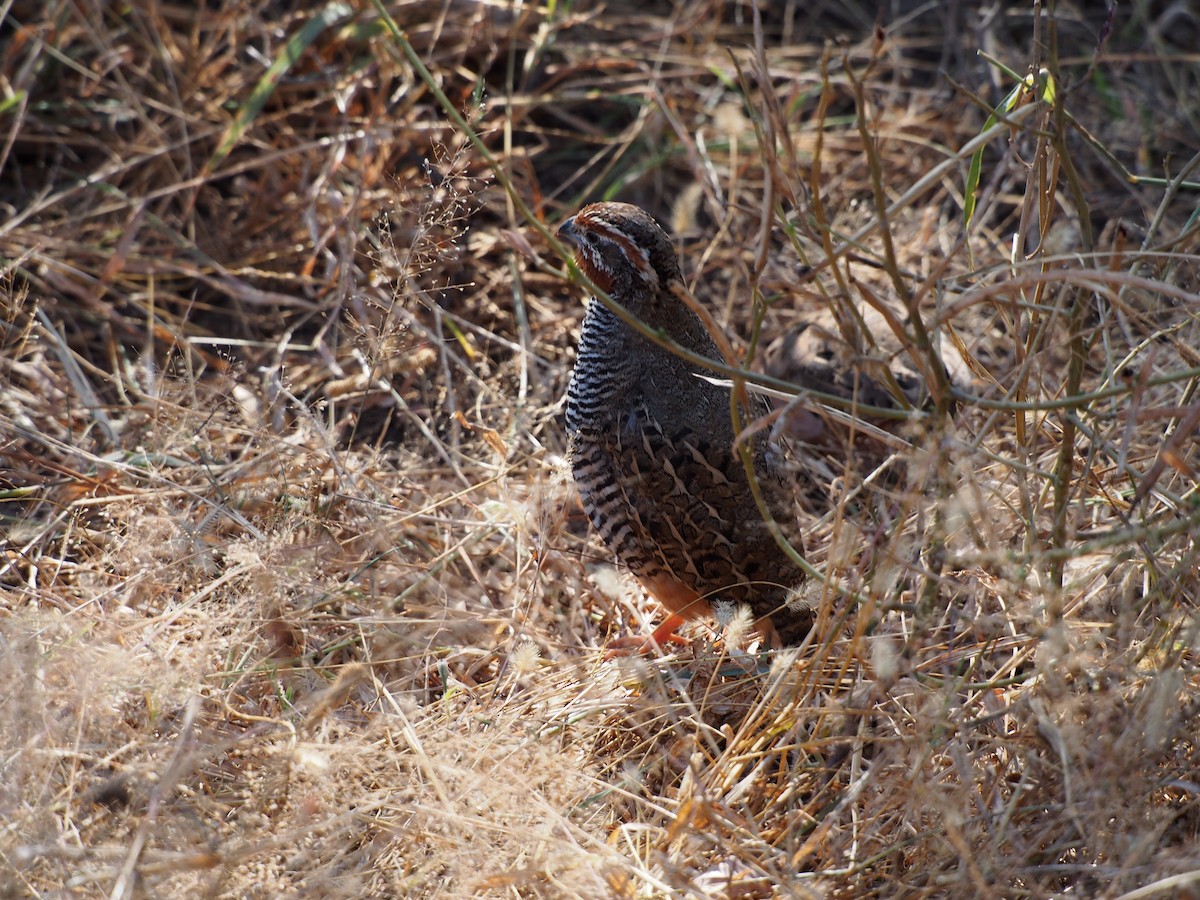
(296,600)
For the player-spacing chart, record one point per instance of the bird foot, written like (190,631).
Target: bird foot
(655,642)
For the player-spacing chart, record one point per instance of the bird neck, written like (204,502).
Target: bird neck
(675,321)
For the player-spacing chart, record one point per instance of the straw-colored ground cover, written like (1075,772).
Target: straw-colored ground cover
(296,597)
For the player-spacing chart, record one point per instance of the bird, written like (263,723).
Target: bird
(653,451)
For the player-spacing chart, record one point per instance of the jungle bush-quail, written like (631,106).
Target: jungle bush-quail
(652,445)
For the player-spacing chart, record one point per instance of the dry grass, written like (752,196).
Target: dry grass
(296,600)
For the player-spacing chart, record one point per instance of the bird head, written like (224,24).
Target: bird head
(623,250)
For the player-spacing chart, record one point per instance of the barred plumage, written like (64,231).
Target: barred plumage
(652,445)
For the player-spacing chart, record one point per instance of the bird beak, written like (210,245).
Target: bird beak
(567,233)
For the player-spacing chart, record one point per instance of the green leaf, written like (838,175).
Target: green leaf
(1043,86)
(332,14)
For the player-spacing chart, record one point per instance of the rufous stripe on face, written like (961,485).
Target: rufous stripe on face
(601,278)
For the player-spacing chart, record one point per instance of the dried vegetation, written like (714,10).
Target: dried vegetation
(295,599)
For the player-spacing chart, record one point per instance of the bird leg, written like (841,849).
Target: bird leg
(681,601)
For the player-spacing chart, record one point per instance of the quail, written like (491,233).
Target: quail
(653,449)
